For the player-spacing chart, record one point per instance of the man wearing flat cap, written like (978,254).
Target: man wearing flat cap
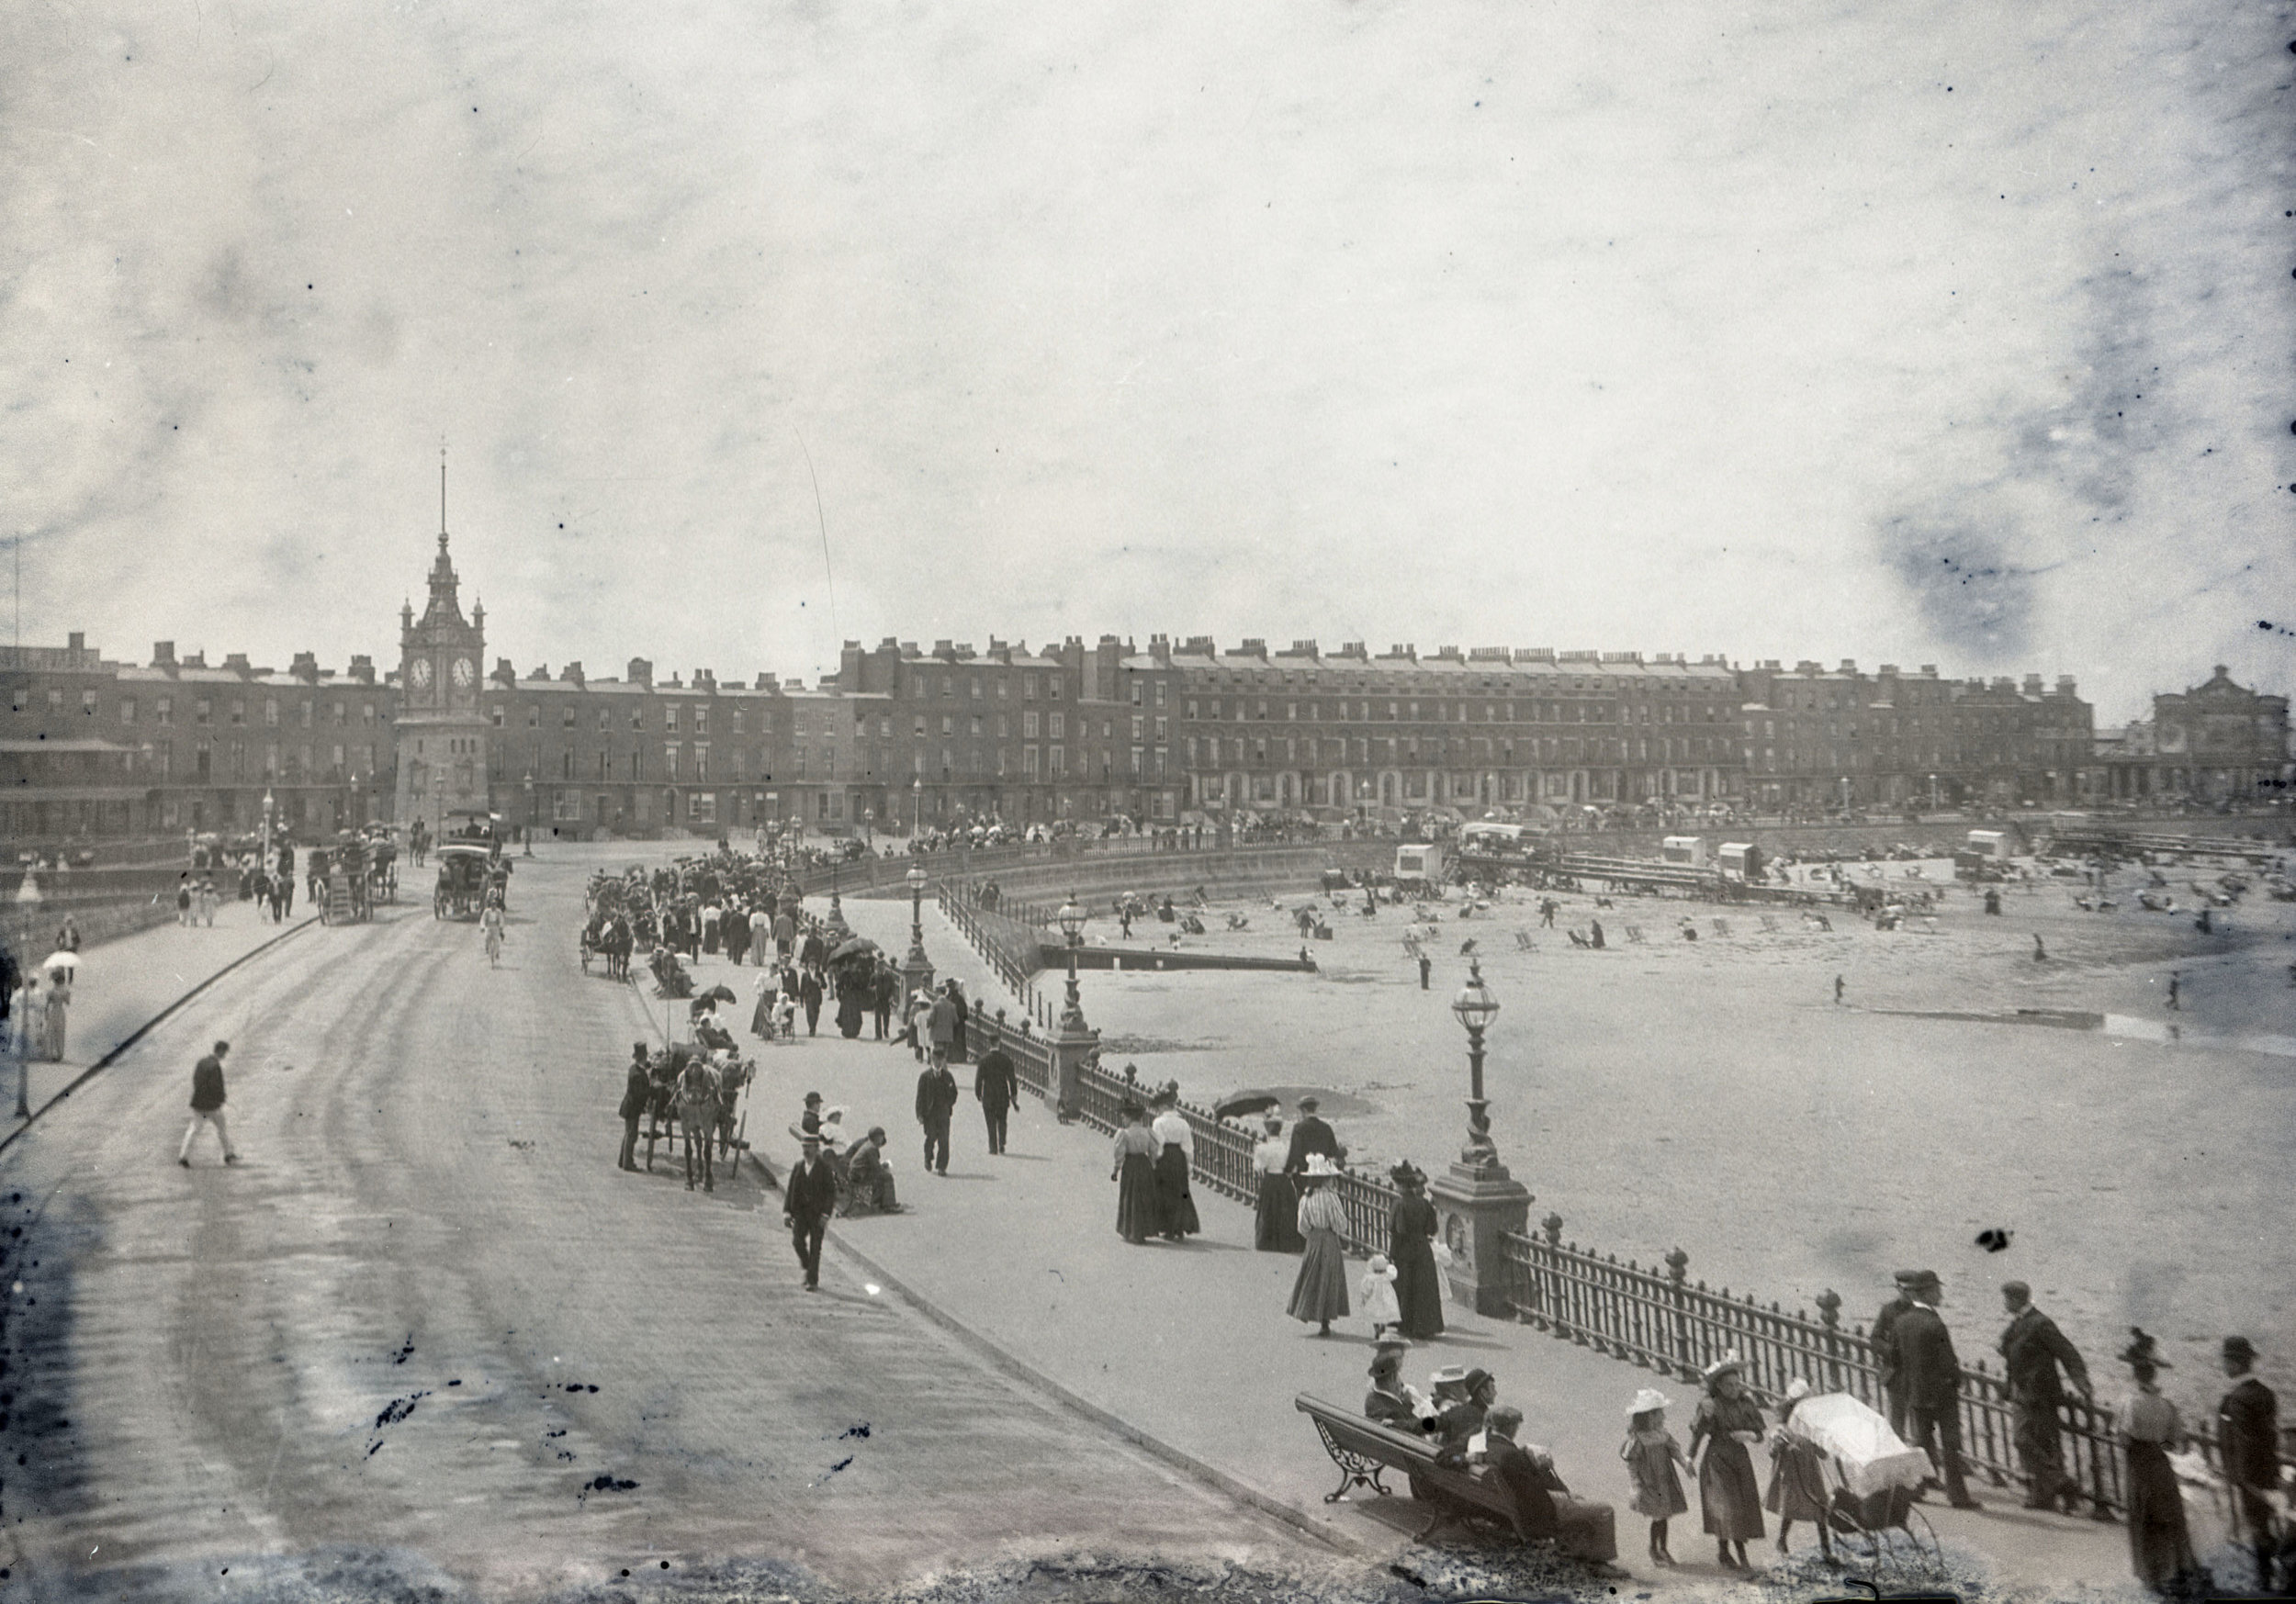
(808,1199)
(1931,1373)
(2033,1352)
(1884,1344)
(2247,1436)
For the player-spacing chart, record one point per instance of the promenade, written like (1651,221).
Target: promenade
(1189,1344)
(125,982)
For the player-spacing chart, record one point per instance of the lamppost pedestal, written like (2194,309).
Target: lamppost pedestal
(1474,1204)
(1072,1039)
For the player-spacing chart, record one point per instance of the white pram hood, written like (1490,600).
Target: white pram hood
(1867,1455)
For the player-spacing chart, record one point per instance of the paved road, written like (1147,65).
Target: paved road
(427,1315)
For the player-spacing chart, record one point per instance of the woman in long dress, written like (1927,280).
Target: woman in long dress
(1410,1231)
(1176,1147)
(1276,1227)
(1137,1216)
(58,1008)
(2160,1544)
(1729,1423)
(1320,1292)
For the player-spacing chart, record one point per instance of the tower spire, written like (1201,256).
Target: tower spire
(442,495)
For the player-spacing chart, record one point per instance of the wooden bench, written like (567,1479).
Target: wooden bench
(1364,1450)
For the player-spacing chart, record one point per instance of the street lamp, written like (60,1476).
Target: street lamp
(916,970)
(1071,919)
(530,814)
(916,790)
(1476,1008)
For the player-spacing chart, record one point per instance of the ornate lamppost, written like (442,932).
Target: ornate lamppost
(1071,919)
(529,814)
(1477,1200)
(1476,1008)
(916,970)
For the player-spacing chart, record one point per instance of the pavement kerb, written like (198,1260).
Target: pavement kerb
(144,1029)
(1021,1371)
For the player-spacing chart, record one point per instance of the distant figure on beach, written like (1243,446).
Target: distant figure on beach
(1838,988)
(2041,953)
(2175,991)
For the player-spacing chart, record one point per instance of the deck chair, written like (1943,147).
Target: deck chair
(1721,927)
(1523,942)
(1634,934)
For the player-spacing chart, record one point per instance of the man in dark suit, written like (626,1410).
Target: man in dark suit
(2032,1353)
(809,998)
(1311,1136)
(998,1089)
(1581,1528)
(808,1199)
(1885,1346)
(637,1090)
(1930,1374)
(2247,1436)
(936,1101)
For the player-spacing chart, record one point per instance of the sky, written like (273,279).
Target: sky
(1951,333)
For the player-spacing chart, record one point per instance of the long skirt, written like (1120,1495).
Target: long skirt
(1277,1226)
(1798,1483)
(1320,1295)
(2160,1545)
(1418,1288)
(849,1016)
(56,1015)
(1729,1498)
(761,1022)
(1173,1204)
(1137,1216)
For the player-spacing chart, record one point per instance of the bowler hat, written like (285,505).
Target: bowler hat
(812,1098)
(2016,1289)
(2143,1349)
(1309,1106)
(2240,1348)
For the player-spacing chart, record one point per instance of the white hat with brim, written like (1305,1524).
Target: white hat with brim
(1321,1168)
(1648,1399)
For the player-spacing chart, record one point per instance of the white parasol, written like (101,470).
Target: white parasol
(62,961)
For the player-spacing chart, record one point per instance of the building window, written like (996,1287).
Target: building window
(1054,722)
(1057,758)
(202,711)
(498,718)
(670,760)
(239,711)
(127,710)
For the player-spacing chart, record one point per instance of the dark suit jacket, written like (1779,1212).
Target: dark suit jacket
(810,1193)
(994,1081)
(1927,1366)
(637,1091)
(2031,1350)
(1310,1136)
(1882,1336)
(1533,1485)
(207,1084)
(2247,1434)
(936,1095)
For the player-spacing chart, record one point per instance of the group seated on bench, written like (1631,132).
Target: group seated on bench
(1458,1449)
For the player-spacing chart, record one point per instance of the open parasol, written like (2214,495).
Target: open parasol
(852,948)
(1245,1103)
(63,961)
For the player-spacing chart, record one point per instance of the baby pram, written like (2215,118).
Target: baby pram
(1872,1473)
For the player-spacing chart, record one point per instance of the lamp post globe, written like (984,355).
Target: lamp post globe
(916,970)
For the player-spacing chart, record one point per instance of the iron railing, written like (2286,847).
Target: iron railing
(1655,1317)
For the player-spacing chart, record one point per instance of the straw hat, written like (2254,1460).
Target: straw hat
(1319,1168)
(1648,1399)
(1729,1365)
(1379,1268)
(1798,1387)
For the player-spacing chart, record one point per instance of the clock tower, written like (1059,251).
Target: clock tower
(440,727)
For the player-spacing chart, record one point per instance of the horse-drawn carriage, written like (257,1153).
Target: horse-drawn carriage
(466,873)
(340,880)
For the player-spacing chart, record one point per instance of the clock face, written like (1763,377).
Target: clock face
(463,671)
(422,672)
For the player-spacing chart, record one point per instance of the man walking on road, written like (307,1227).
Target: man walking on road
(998,1089)
(809,994)
(936,1101)
(808,1199)
(1931,1375)
(207,1104)
(637,1090)
(2032,1351)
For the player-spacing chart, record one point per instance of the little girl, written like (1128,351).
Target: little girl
(1651,1454)
(1378,1296)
